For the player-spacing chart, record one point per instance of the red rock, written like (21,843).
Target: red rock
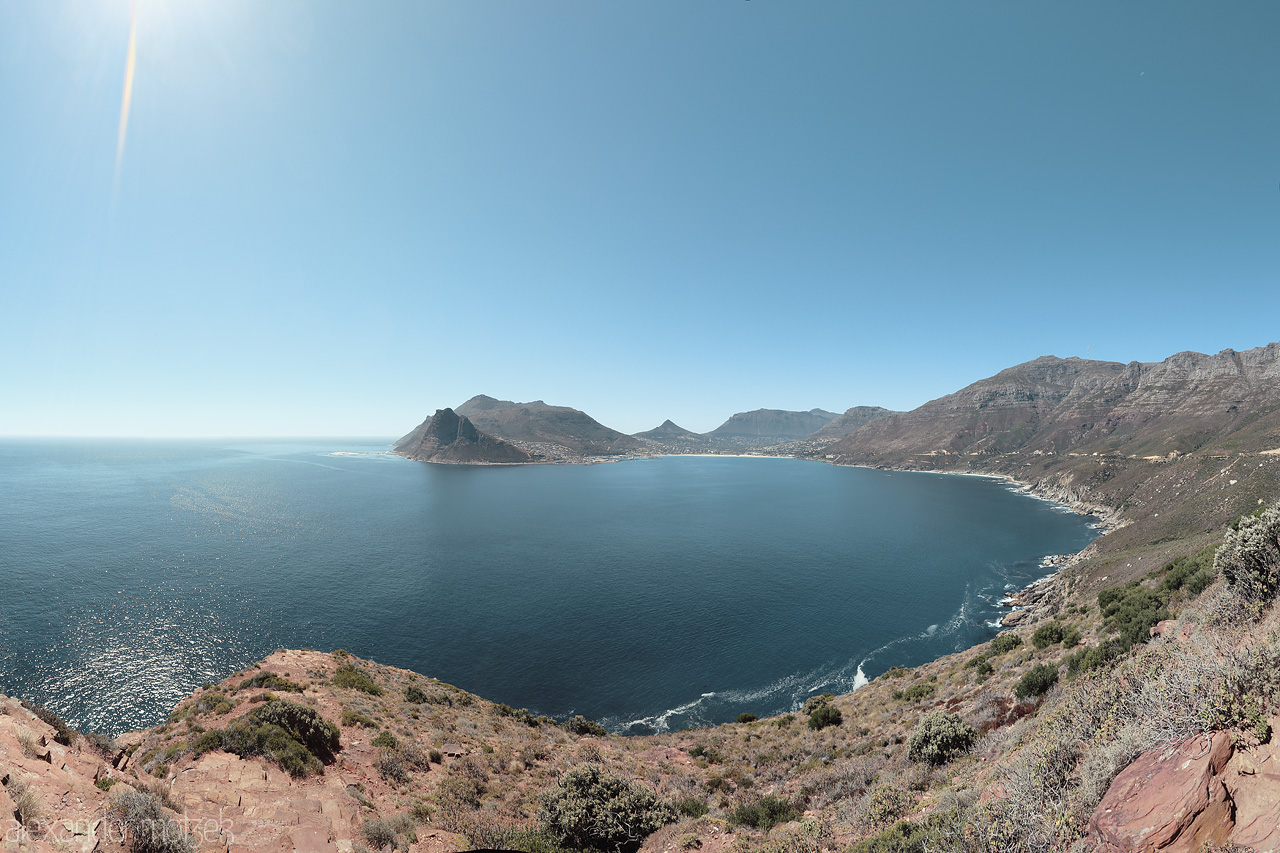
(1170,799)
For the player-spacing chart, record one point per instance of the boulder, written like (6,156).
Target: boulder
(1170,799)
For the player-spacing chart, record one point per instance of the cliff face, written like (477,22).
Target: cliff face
(850,422)
(1189,402)
(773,424)
(451,438)
(538,422)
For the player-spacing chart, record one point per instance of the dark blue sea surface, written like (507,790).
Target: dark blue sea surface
(651,595)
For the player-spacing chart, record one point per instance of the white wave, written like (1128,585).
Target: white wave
(930,631)
(860,680)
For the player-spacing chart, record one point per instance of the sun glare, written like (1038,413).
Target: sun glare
(127,96)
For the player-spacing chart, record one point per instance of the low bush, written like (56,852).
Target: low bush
(1006,642)
(270,681)
(580,725)
(352,676)
(415,694)
(813,703)
(938,831)
(825,715)
(150,830)
(747,717)
(1037,681)
(1249,557)
(354,718)
(294,736)
(940,737)
(765,813)
(1048,634)
(916,692)
(692,807)
(386,739)
(590,808)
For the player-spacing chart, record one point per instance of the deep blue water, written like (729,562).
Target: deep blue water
(648,594)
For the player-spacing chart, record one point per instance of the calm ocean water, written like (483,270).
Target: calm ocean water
(650,595)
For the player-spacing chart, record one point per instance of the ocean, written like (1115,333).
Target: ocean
(651,595)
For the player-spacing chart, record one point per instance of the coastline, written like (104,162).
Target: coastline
(1041,598)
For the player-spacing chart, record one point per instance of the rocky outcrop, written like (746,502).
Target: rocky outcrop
(1170,799)
(538,423)
(1206,790)
(450,438)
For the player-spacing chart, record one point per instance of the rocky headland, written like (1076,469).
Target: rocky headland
(448,437)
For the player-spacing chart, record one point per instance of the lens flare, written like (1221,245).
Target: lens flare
(127,97)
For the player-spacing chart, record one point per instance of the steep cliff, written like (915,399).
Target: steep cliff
(449,437)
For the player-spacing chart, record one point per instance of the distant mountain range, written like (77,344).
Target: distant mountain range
(773,424)
(1022,418)
(1187,403)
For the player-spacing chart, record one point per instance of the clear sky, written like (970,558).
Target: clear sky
(332,218)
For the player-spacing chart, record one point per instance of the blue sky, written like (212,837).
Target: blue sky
(331,218)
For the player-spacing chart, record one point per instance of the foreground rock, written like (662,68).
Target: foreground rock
(1182,798)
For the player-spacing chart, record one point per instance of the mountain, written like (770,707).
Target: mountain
(851,421)
(773,424)
(449,437)
(538,422)
(669,431)
(1190,402)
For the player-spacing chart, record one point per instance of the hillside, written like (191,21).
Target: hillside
(668,431)
(449,438)
(1188,403)
(1176,448)
(850,422)
(538,423)
(773,425)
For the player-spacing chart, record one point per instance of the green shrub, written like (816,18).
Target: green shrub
(1249,557)
(1096,657)
(1037,681)
(415,694)
(1047,635)
(747,717)
(896,671)
(813,703)
(1130,611)
(1070,637)
(270,681)
(1006,642)
(353,718)
(692,807)
(294,736)
(940,737)
(435,756)
(825,715)
(590,808)
(387,740)
(350,675)
(765,813)
(580,725)
(937,832)
(916,692)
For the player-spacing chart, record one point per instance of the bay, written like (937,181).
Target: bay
(649,594)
